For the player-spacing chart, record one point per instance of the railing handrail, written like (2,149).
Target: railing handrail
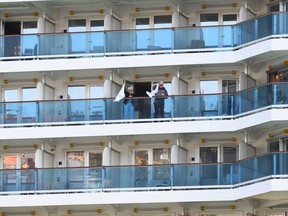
(146,97)
(235,39)
(169,176)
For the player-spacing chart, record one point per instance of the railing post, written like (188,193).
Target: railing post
(274,160)
(37,112)
(103,177)
(172,175)
(36,180)
(274,93)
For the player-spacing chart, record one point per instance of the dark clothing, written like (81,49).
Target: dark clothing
(160,96)
(128,97)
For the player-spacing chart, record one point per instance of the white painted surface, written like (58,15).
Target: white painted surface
(145,60)
(146,128)
(146,197)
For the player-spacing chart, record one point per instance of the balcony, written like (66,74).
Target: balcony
(177,108)
(145,178)
(143,42)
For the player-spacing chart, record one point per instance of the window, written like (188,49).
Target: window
(163,21)
(229,154)
(274,146)
(162,156)
(209,19)
(229,19)
(209,154)
(229,86)
(75,159)
(142,23)
(153,39)
(77,25)
(12,162)
(97,25)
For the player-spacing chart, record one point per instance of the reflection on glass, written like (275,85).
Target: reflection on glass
(141,157)
(77,107)
(96,107)
(95,159)
(9,161)
(274,146)
(229,154)
(208,154)
(11,109)
(75,159)
(162,156)
(141,173)
(27,160)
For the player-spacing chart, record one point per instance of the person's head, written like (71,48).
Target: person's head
(130,89)
(161,84)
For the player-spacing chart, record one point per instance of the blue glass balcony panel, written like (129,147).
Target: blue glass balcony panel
(182,106)
(152,176)
(149,40)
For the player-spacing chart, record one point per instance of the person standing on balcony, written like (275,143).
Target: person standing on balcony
(129,103)
(160,97)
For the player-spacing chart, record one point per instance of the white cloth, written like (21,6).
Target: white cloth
(121,94)
(152,94)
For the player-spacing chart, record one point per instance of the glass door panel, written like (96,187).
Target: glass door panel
(143,36)
(29,41)
(95,174)
(209,103)
(96,107)
(9,174)
(28,110)
(97,36)
(228,87)
(77,42)
(228,19)
(77,107)
(209,155)
(210,19)
(12,107)
(27,174)
(141,173)
(75,176)
(162,38)
(161,174)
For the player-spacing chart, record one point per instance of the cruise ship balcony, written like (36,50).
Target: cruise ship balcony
(144,41)
(178,108)
(247,179)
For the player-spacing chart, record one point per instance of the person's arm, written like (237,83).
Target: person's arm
(166,94)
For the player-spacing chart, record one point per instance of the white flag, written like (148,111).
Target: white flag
(121,94)
(151,94)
